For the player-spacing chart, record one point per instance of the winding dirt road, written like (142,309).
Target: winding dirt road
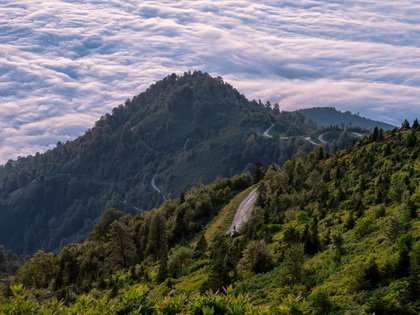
(321,139)
(244,212)
(310,140)
(358,134)
(153,183)
(265,134)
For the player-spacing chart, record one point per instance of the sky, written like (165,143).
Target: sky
(63,64)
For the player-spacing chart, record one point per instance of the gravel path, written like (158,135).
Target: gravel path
(244,212)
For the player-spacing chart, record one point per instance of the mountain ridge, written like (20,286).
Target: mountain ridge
(171,132)
(329,116)
(168,135)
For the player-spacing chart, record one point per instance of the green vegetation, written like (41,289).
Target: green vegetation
(329,234)
(9,262)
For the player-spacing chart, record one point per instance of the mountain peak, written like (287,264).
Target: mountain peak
(169,134)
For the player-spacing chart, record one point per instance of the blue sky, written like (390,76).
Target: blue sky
(63,64)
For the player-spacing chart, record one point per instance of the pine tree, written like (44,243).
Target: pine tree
(310,238)
(158,240)
(294,258)
(100,230)
(371,274)
(121,247)
(201,245)
(219,272)
(350,222)
(375,134)
(258,172)
(162,273)
(256,258)
(182,198)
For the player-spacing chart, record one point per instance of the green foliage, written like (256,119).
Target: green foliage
(100,230)
(157,245)
(294,258)
(256,258)
(396,225)
(347,246)
(137,300)
(295,305)
(320,302)
(38,271)
(10,262)
(179,258)
(120,247)
(162,273)
(20,304)
(363,227)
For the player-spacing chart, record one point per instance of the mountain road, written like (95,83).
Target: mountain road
(153,183)
(244,212)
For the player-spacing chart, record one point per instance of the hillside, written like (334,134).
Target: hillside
(329,234)
(169,135)
(9,262)
(329,116)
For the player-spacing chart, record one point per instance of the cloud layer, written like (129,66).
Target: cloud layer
(65,63)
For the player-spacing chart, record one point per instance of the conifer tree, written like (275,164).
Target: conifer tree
(121,247)
(405,124)
(375,134)
(162,273)
(158,240)
(201,245)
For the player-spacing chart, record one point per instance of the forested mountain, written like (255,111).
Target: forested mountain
(180,131)
(333,234)
(9,262)
(329,116)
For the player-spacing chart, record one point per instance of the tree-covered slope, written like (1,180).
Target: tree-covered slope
(180,131)
(9,262)
(329,116)
(329,234)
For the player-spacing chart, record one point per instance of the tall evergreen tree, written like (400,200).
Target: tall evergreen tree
(121,247)
(157,245)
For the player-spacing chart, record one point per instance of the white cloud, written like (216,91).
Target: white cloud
(65,63)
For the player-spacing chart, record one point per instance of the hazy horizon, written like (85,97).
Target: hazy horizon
(63,64)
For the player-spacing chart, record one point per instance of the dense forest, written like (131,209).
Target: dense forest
(10,262)
(168,135)
(328,234)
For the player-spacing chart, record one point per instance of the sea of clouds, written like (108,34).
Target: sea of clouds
(63,64)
